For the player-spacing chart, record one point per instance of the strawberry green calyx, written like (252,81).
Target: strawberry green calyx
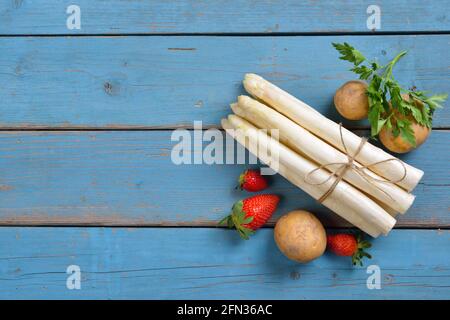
(360,253)
(241,180)
(237,219)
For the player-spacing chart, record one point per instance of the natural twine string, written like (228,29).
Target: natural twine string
(350,165)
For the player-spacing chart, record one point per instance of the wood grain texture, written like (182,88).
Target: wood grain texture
(186,263)
(128,178)
(166,82)
(241,16)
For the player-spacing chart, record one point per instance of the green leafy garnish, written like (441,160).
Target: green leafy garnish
(383,88)
(349,53)
(238,220)
(360,252)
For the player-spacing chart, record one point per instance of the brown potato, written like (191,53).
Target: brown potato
(398,144)
(351,100)
(300,236)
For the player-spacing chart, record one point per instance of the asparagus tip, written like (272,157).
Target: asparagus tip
(252,83)
(234,107)
(225,124)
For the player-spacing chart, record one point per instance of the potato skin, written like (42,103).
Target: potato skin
(351,100)
(398,144)
(300,236)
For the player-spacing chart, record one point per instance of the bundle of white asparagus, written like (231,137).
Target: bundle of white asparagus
(309,146)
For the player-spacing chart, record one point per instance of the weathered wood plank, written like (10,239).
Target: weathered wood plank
(128,178)
(205,263)
(172,81)
(192,16)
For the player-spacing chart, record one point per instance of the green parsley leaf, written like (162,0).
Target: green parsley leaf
(363,71)
(349,53)
(435,101)
(406,131)
(386,104)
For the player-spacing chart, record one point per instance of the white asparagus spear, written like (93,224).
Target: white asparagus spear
(328,130)
(389,210)
(349,215)
(348,202)
(302,141)
(345,200)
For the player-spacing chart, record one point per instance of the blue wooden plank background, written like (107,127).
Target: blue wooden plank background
(128,178)
(238,16)
(155,82)
(137,69)
(187,263)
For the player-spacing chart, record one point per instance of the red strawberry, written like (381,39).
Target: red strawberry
(251,214)
(252,180)
(344,244)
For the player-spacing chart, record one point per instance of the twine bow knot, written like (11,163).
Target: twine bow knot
(350,165)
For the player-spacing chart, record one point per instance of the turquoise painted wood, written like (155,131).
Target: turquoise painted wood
(165,82)
(242,16)
(125,73)
(128,178)
(208,263)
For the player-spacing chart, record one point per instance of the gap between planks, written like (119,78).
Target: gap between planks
(235,34)
(206,225)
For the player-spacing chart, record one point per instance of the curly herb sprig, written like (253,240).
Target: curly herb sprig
(382,88)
